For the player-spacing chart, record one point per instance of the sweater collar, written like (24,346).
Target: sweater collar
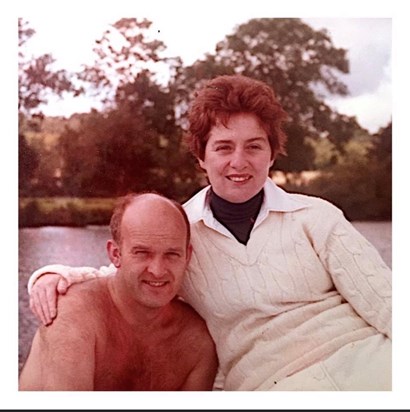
(275,200)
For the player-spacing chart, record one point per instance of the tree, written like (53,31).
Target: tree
(382,145)
(381,158)
(115,152)
(134,146)
(299,63)
(134,143)
(36,81)
(127,48)
(359,178)
(28,161)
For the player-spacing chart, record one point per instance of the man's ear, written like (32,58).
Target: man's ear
(188,253)
(114,253)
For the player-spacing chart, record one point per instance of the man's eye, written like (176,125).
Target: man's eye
(140,253)
(173,254)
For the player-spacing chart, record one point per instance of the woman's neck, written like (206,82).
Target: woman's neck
(238,218)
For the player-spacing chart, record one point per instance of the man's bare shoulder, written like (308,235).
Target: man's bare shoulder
(80,317)
(84,301)
(187,312)
(191,322)
(197,347)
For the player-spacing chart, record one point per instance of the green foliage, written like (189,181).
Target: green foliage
(382,145)
(37,80)
(135,146)
(359,190)
(28,162)
(300,155)
(360,181)
(326,153)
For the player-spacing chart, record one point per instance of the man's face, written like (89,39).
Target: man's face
(153,251)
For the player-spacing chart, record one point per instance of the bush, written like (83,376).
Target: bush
(362,190)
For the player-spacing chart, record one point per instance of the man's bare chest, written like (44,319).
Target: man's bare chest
(126,363)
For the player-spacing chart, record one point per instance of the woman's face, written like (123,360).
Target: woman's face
(237,158)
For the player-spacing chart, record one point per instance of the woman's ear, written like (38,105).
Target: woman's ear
(114,253)
(201,163)
(272,160)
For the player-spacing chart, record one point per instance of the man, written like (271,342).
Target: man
(129,331)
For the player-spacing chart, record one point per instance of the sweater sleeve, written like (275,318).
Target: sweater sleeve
(359,273)
(71,274)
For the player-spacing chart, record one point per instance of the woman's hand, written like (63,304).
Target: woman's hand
(44,294)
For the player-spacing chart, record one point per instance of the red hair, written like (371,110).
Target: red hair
(226,95)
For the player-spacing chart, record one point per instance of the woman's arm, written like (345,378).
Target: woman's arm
(361,276)
(356,267)
(46,283)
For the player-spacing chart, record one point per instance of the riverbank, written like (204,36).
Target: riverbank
(64,211)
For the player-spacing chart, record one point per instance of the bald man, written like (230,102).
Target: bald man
(129,331)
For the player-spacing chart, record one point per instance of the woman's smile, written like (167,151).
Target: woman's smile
(237,158)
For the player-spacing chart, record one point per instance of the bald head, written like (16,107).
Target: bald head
(150,207)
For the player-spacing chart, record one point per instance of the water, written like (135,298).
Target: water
(86,247)
(48,245)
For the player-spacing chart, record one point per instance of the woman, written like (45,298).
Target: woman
(294,297)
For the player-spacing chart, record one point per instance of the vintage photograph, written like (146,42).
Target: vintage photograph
(204,204)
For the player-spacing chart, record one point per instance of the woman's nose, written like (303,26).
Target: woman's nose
(238,159)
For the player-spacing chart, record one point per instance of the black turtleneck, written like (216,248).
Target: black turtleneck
(238,218)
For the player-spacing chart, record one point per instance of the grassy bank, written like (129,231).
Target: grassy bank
(64,211)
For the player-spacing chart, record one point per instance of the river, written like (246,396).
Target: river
(86,247)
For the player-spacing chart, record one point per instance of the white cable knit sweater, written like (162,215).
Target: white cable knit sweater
(305,285)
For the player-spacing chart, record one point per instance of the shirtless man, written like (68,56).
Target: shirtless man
(129,331)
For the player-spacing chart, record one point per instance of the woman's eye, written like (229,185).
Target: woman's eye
(222,148)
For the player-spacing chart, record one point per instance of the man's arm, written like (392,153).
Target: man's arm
(62,355)
(203,375)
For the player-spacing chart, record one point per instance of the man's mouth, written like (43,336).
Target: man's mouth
(155,284)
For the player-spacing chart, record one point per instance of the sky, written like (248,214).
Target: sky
(368,41)
(367,28)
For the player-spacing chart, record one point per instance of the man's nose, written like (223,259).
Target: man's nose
(157,267)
